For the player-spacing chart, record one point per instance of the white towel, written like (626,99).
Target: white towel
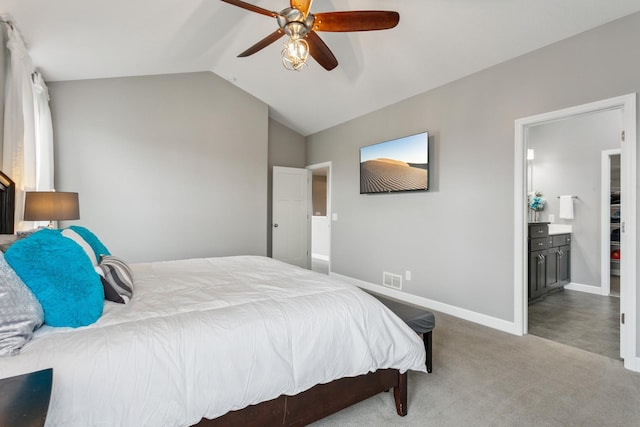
(566,207)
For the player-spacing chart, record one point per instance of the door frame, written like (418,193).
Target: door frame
(605,219)
(324,165)
(627,104)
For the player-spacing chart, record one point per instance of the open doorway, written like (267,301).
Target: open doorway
(567,300)
(626,106)
(321,219)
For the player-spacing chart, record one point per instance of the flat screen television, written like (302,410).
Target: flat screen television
(400,164)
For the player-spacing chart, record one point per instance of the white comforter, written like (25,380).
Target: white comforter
(202,337)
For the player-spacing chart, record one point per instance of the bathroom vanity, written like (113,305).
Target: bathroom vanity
(549,258)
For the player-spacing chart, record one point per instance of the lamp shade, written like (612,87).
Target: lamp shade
(51,206)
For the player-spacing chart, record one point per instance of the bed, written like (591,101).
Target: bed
(243,340)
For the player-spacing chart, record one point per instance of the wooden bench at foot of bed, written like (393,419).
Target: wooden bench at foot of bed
(317,402)
(422,321)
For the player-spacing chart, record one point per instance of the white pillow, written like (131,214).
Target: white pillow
(68,233)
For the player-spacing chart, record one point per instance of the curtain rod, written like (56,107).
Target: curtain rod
(573,197)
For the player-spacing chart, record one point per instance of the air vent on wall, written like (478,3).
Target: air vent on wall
(392,280)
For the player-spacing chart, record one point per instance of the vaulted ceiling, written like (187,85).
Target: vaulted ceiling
(436,41)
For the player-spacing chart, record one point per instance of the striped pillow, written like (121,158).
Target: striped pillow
(117,279)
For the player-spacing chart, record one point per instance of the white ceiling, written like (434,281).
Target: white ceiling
(436,41)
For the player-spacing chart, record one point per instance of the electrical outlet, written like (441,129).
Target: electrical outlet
(407,275)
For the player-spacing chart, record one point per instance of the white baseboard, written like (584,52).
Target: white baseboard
(320,257)
(472,316)
(632,364)
(589,289)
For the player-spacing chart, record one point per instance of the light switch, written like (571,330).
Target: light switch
(334,216)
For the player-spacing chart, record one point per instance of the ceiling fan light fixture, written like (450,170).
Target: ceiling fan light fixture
(295,54)
(302,26)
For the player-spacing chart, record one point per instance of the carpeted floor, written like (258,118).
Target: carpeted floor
(484,377)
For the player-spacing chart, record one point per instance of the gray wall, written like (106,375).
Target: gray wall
(286,148)
(170,166)
(567,160)
(457,239)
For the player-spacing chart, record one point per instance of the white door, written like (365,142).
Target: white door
(290,215)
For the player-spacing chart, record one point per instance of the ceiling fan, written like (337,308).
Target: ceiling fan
(301,26)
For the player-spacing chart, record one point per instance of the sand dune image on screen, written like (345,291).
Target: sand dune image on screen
(382,175)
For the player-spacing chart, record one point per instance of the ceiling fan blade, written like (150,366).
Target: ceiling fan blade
(364,20)
(320,51)
(252,8)
(262,43)
(302,5)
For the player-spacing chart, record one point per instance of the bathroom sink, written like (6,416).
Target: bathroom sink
(559,228)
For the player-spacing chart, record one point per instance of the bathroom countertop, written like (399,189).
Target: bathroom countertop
(555,229)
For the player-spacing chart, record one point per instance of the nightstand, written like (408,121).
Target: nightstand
(24,399)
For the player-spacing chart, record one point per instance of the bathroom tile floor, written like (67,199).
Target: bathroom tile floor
(585,321)
(614,289)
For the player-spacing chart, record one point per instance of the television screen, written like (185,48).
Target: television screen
(398,165)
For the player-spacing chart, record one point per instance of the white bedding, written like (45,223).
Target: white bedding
(202,337)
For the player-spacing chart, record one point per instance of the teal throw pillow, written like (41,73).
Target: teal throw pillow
(60,275)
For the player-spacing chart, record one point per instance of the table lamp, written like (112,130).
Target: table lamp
(51,206)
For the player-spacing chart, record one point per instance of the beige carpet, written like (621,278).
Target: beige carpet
(484,377)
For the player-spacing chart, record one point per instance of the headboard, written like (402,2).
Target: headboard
(7,204)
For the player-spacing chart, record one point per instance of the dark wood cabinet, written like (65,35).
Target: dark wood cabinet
(563,244)
(549,260)
(552,268)
(537,274)
(564,265)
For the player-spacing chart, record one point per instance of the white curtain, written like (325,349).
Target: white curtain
(43,135)
(27,152)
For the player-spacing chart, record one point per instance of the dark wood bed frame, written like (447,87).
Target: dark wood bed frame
(317,402)
(7,204)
